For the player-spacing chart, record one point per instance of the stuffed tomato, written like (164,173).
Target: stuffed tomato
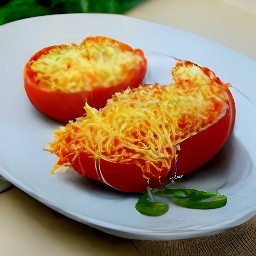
(152,134)
(60,79)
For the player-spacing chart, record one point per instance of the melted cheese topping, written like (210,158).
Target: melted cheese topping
(90,65)
(145,125)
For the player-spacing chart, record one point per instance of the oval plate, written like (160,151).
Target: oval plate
(25,132)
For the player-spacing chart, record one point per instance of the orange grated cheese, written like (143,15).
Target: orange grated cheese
(90,65)
(145,125)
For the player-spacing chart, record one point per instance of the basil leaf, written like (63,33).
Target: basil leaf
(192,198)
(213,202)
(185,197)
(150,208)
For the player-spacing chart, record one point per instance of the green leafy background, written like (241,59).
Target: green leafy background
(11,10)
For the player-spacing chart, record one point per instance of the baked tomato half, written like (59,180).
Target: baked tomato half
(60,79)
(152,134)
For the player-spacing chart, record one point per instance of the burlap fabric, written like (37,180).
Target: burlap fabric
(240,240)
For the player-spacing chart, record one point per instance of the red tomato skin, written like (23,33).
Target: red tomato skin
(62,106)
(200,148)
(194,152)
(116,175)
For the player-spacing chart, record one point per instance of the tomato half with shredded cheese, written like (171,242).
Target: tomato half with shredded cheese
(60,79)
(152,134)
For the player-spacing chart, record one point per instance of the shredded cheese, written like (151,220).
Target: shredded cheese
(92,64)
(145,125)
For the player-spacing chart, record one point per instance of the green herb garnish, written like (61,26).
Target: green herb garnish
(151,203)
(151,208)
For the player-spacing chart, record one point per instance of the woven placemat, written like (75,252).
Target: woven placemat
(240,240)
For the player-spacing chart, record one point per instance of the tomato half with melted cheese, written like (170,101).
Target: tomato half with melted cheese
(60,79)
(150,135)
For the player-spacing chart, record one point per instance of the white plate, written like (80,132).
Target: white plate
(24,132)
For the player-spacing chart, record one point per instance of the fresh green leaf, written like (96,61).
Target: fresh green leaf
(213,202)
(150,208)
(192,198)
(185,197)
